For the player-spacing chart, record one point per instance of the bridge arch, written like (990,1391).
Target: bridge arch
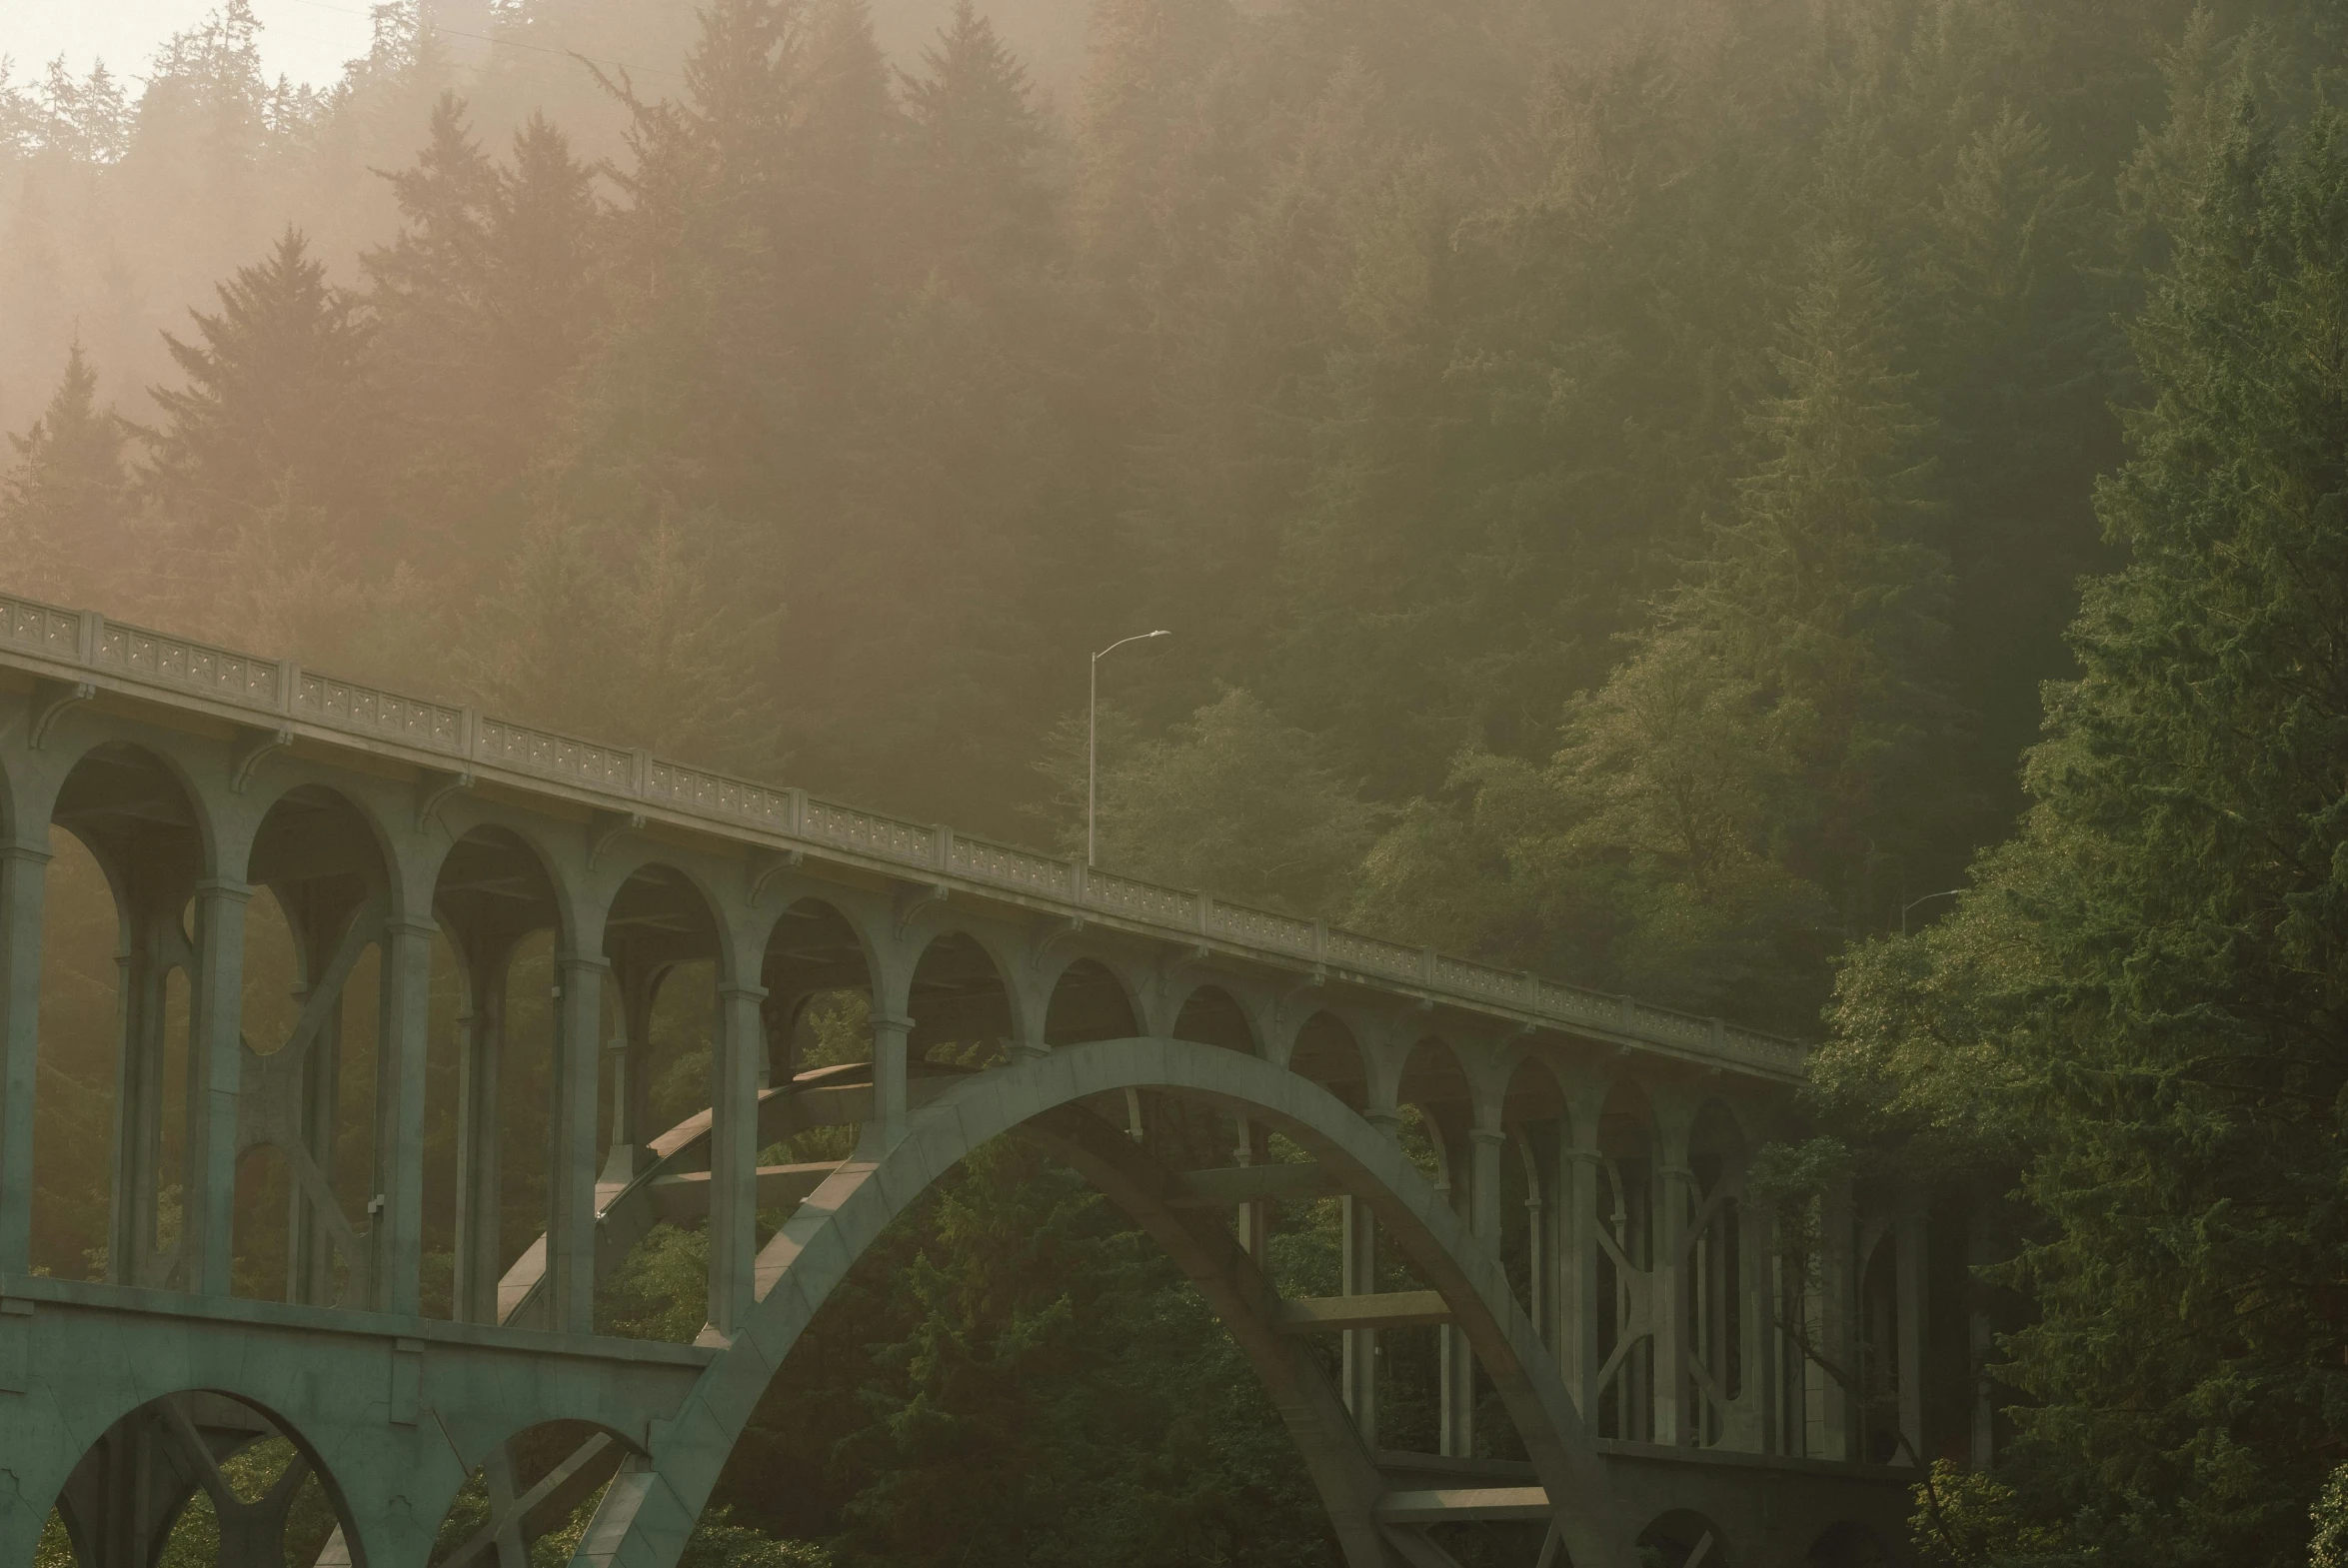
(652,1506)
(1090,1000)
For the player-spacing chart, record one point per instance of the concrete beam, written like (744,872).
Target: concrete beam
(681,1200)
(1396,1309)
(1461,1504)
(1231,1186)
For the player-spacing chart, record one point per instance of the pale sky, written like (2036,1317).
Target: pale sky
(307,40)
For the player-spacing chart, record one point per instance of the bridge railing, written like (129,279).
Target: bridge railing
(281,688)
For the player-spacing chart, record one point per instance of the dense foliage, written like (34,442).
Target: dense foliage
(1617,475)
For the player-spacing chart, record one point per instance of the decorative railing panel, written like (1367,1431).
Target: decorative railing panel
(1477,979)
(554,755)
(49,631)
(715,794)
(1280,932)
(199,667)
(870,833)
(1142,900)
(348,705)
(1010,867)
(1368,955)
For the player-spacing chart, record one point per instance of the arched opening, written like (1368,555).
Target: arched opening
(1533,1226)
(1089,1002)
(73,1125)
(113,1057)
(1325,1053)
(1212,1017)
(819,1026)
(1848,1545)
(197,1477)
(1680,1539)
(661,941)
(309,1154)
(530,1497)
(959,1006)
(1626,1211)
(496,906)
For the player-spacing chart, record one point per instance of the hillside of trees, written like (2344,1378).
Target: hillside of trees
(1648,490)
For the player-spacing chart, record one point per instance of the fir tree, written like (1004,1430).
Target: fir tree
(64,503)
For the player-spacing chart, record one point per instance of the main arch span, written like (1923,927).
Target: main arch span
(1627,1357)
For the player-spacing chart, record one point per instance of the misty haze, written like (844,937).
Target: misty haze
(1405,783)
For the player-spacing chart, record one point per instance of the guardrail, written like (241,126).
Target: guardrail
(282,688)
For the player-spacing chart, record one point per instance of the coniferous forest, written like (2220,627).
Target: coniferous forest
(1827,512)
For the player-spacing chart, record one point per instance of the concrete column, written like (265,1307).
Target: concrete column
(1834,1409)
(397,1231)
(1980,1337)
(1675,1190)
(1754,1415)
(23,880)
(579,1026)
(142,971)
(887,1128)
(1912,1287)
(481,1049)
(216,1008)
(734,1155)
(1357,1276)
(1252,1219)
(1581,1177)
(629,1057)
(309,1240)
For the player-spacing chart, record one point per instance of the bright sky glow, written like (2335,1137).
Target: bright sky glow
(307,40)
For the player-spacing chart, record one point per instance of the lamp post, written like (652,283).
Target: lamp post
(1927,899)
(1093,735)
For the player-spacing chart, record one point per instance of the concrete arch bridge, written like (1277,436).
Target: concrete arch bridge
(317,895)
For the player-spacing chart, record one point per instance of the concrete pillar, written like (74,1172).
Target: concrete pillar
(397,1231)
(734,1154)
(569,1264)
(1581,1176)
(1913,1285)
(216,1008)
(1252,1219)
(480,1050)
(310,1249)
(1980,1337)
(1357,1276)
(23,879)
(1834,1330)
(151,934)
(629,1060)
(1673,1300)
(1753,1417)
(889,1031)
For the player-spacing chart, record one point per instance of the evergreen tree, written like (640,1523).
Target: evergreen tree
(278,402)
(2142,1001)
(63,505)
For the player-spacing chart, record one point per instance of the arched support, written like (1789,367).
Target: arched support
(649,1509)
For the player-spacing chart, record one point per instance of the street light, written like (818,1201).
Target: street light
(1927,899)
(1092,733)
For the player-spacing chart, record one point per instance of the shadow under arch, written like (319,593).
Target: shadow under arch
(960,1000)
(270,1496)
(1090,1002)
(323,893)
(651,1510)
(493,894)
(147,831)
